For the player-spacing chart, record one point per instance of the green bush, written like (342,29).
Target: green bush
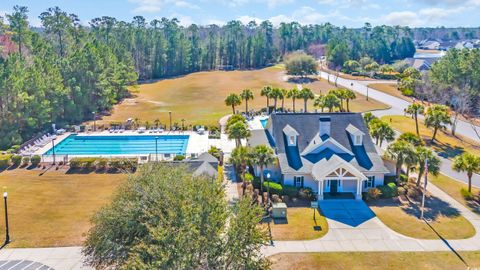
(5,161)
(35,160)
(179,158)
(467,195)
(403,178)
(16,160)
(15,148)
(101,164)
(123,164)
(373,194)
(402,191)
(275,188)
(306,193)
(388,191)
(25,161)
(75,163)
(413,193)
(390,179)
(249,178)
(87,163)
(290,191)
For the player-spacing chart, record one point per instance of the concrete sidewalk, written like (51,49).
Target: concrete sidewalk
(53,258)
(373,235)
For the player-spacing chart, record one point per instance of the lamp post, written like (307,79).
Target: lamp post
(94,123)
(7,234)
(268,187)
(156,149)
(424,188)
(367,92)
(53,150)
(183,124)
(170,114)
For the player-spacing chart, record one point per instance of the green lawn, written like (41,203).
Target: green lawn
(389,88)
(375,260)
(53,209)
(446,144)
(452,188)
(404,219)
(199,97)
(299,225)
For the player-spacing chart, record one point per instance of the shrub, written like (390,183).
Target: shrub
(25,161)
(390,179)
(248,177)
(123,164)
(401,191)
(403,178)
(373,194)
(15,148)
(412,193)
(179,158)
(83,163)
(467,195)
(101,164)
(290,191)
(5,161)
(388,191)
(75,163)
(276,198)
(275,188)
(306,193)
(35,160)
(16,160)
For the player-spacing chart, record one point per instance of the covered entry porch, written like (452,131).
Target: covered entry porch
(338,179)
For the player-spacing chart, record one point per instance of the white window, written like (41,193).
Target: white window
(358,139)
(298,181)
(370,182)
(291,140)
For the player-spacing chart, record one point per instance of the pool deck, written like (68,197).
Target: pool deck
(255,123)
(197,143)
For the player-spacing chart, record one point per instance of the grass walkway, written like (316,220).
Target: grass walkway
(446,145)
(299,225)
(54,209)
(375,260)
(446,220)
(452,188)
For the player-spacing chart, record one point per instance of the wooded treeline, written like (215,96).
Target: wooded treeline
(60,76)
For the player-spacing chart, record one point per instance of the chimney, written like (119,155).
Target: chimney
(324,127)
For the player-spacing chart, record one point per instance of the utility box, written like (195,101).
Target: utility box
(279,210)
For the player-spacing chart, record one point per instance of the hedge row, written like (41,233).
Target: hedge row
(90,163)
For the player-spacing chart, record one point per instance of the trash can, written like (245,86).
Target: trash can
(279,210)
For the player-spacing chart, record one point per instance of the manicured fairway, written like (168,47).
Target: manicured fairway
(375,260)
(53,209)
(199,97)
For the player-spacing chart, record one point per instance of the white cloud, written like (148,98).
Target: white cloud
(154,6)
(273,3)
(403,18)
(214,21)
(246,19)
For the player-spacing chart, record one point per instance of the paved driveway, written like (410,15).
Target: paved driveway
(349,212)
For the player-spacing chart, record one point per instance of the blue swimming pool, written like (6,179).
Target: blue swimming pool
(121,145)
(264,122)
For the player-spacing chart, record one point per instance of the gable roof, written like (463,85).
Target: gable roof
(205,164)
(354,130)
(293,159)
(289,131)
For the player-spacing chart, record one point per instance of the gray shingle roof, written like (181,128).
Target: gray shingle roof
(365,157)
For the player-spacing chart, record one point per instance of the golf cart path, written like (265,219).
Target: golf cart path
(397,105)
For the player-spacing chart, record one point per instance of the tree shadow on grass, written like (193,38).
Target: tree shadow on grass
(302,80)
(446,150)
(474,206)
(434,208)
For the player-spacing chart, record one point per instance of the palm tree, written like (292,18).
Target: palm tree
(467,163)
(293,94)
(368,117)
(283,96)
(349,95)
(399,151)
(262,156)
(319,102)
(246,95)
(415,109)
(411,138)
(424,153)
(233,100)
(266,93)
(276,93)
(340,94)
(331,101)
(238,131)
(156,122)
(136,123)
(241,156)
(381,131)
(306,94)
(438,117)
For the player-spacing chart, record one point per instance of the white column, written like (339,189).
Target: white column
(358,196)
(320,190)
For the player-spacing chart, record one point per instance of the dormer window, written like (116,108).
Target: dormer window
(358,140)
(291,141)
(290,135)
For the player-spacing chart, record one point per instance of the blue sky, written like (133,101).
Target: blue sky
(350,13)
